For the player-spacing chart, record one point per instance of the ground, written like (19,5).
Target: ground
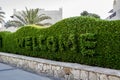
(11,73)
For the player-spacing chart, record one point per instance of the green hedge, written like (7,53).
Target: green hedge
(78,39)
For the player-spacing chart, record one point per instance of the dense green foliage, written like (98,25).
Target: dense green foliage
(78,39)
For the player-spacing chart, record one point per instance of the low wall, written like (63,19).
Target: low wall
(65,71)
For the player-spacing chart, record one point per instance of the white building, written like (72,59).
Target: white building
(115,12)
(56,15)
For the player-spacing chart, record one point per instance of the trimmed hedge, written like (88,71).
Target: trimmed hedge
(78,39)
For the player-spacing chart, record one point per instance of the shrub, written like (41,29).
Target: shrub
(78,39)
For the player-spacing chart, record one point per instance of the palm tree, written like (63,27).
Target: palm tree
(29,17)
(1,16)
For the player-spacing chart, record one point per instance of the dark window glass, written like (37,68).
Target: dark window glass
(114,14)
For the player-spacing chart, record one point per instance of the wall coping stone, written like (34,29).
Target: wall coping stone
(68,65)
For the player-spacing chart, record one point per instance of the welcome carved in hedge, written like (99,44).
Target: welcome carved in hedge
(87,43)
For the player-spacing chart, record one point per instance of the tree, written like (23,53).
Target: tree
(1,16)
(85,13)
(12,24)
(29,17)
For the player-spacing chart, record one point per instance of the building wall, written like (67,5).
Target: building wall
(115,15)
(56,15)
(116,5)
(0,8)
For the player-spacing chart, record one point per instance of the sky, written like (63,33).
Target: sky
(70,7)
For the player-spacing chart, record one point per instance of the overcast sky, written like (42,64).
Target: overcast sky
(70,7)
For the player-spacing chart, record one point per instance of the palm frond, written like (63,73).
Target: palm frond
(2,12)
(42,18)
(2,16)
(13,24)
(20,18)
(44,24)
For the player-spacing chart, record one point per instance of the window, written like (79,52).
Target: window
(114,14)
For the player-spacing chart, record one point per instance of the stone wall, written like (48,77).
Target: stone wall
(62,70)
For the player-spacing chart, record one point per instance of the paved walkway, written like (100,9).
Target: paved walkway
(11,73)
